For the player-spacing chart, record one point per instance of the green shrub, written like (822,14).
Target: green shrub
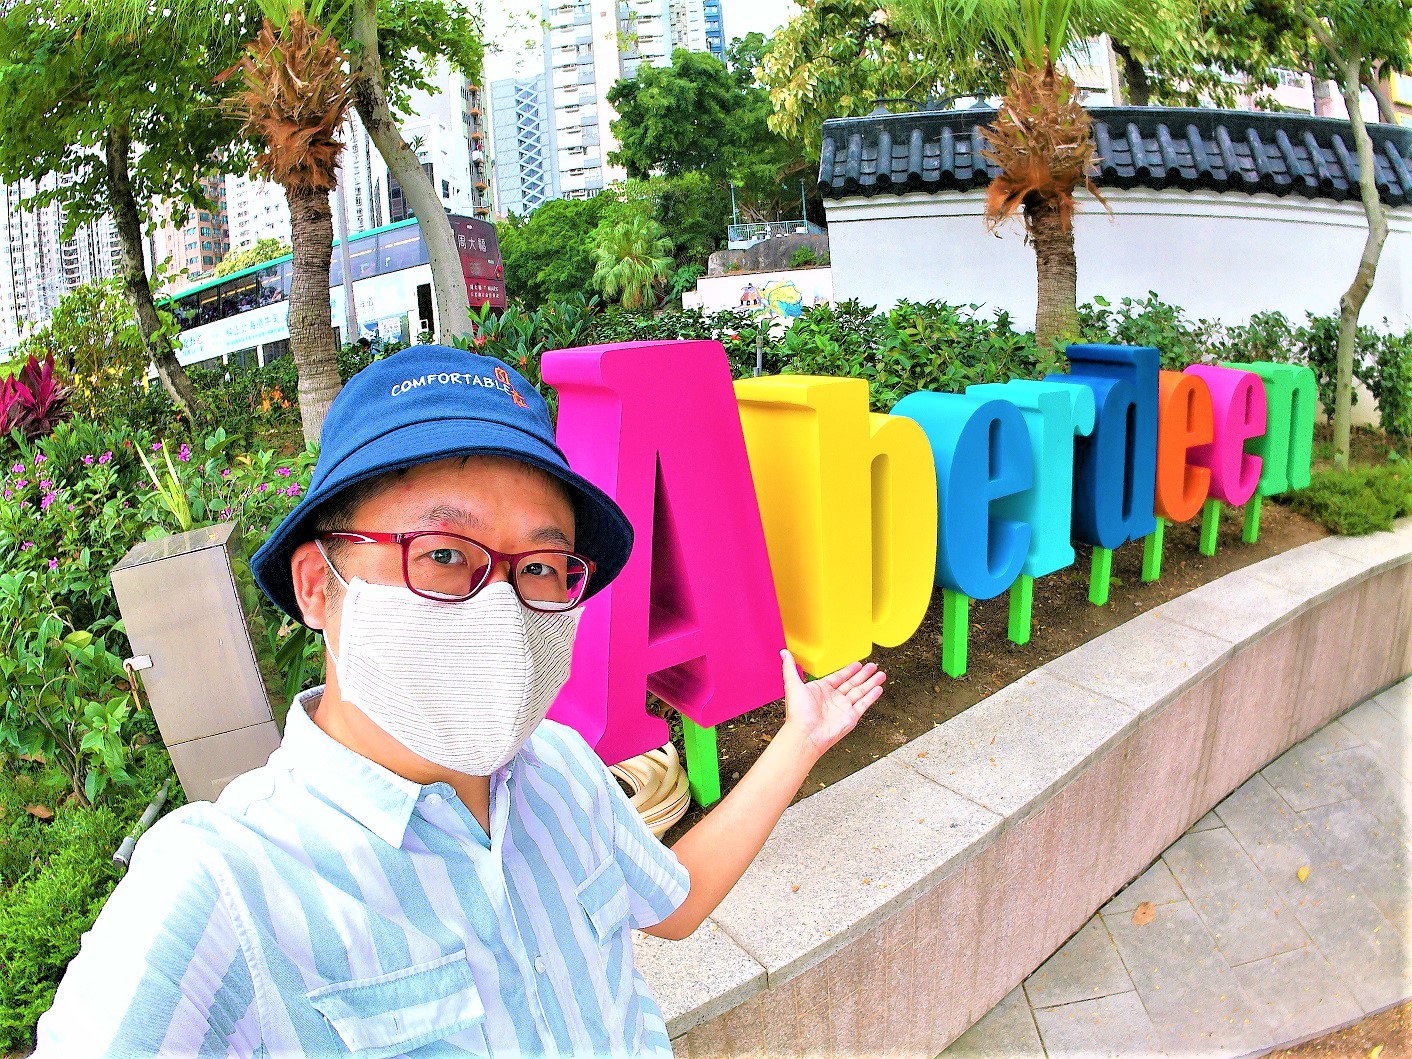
(55,875)
(1391,384)
(1359,500)
(1150,322)
(803,257)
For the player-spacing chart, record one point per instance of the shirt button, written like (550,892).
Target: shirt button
(539,964)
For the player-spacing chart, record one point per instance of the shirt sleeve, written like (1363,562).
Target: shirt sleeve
(658,883)
(161,972)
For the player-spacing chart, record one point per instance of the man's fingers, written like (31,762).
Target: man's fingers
(872,684)
(791,669)
(837,678)
(860,675)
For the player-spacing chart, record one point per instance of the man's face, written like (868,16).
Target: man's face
(506,504)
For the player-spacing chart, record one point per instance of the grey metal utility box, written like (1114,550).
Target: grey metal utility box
(182,611)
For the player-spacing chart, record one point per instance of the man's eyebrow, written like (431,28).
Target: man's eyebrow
(441,514)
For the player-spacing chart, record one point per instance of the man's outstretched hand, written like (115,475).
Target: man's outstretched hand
(823,711)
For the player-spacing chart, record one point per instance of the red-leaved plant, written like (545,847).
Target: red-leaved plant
(32,400)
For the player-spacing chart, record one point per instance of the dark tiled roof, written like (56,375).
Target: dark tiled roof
(1151,147)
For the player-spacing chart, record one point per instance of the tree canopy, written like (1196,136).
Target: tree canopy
(262,251)
(549,254)
(699,115)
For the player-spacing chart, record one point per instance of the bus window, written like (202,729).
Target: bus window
(286,276)
(401,249)
(208,305)
(362,258)
(270,289)
(240,295)
(335,269)
(185,311)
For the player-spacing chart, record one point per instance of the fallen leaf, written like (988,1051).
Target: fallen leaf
(1377,1051)
(1303,873)
(866,882)
(992,740)
(921,753)
(1144,914)
(42,812)
(794,888)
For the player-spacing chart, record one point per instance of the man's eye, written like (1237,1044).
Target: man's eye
(446,557)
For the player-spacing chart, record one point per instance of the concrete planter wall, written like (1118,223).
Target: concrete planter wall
(891,911)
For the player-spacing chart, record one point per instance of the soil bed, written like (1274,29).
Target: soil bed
(919,696)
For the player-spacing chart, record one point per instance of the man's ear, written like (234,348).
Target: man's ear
(310,574)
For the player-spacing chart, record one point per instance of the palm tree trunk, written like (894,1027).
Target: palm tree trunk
(1351,304)
(370,100)
(127,220)
(1056,270)
(310,324)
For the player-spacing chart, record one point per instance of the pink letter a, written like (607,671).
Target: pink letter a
(693,616)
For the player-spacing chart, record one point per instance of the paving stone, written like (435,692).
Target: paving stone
(1206,823)
(1382,734)
(1155,884)
(1161,659)
(1376,787)
(1397,701)
(842,859)
(722,975)
(1086,966)
(1111,1027)
(1303,779)
(1329,739)
(1016,747)
(1247,919)
(1193,998)
(1375,853)
(1237,608)
(1310,571)
(1006,1031)
(1360,944)
(1297,994)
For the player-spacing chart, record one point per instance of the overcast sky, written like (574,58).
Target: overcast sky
(514,26)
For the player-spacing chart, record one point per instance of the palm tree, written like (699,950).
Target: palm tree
(293,97)
(633,258)
(1041,137)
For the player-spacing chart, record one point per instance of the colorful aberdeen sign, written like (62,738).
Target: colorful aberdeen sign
(780,510)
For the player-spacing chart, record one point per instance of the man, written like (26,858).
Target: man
(426,862)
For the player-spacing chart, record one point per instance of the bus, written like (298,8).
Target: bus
(242,319)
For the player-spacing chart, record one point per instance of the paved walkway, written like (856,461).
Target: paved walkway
(1219,948)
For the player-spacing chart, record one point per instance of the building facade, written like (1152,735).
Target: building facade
(38,266)
(192,242)
(522,144)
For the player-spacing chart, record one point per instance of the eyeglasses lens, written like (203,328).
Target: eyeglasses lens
(451,568)
(551,580)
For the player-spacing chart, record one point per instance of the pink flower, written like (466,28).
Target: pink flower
(293,489)
(46,485)
(283,472)
(88,460)
(18,468)
(21,483)
(9,493)
(46,501)
(26,546)
(53,564)
(156,446)
(123,504)
(39,458)
(184,453)
(71,507)
(106,456)
(262,487)
(225,512)
(225,473)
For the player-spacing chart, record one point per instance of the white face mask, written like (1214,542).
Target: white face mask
(464,685)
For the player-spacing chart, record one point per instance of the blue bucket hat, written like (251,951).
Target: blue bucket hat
(428,403)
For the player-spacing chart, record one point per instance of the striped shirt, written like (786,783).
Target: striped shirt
(325,906)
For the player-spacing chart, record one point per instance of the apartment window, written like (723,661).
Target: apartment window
(207,259)
(446,189)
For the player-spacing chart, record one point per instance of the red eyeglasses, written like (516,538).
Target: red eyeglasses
(450,568)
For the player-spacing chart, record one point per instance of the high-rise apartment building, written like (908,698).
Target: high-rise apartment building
(589,46)
(715,28)
(37,266)
(521,144)
(193,241)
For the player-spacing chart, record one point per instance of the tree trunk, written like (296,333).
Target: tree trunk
(128,221)
(1136,86)
(1386,114)
(370,100)
(1056,310)
(1351,304)
(310,323)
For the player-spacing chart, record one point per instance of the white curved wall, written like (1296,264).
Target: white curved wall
(1218,255)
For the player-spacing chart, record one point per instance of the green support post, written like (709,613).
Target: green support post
(703,767)
(1099,575)
(1251,532)
(955,616)
(1210,525)
(1152,552)
(1021,608)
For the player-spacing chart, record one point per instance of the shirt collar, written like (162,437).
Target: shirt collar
(376,797)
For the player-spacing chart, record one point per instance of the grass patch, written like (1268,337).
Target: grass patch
(1359,500)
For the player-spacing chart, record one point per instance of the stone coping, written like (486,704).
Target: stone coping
(844,860)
